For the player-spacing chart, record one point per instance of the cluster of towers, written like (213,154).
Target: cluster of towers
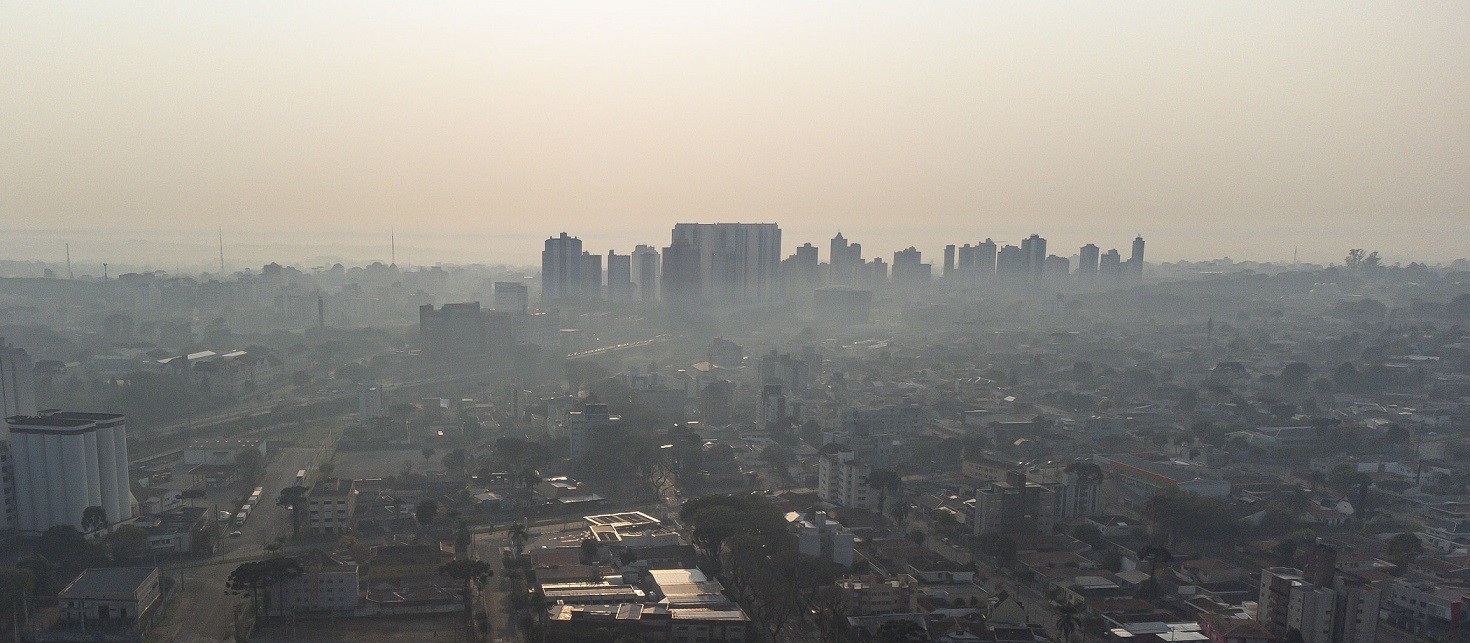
(741,263)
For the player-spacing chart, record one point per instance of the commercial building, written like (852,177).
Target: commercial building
(1148,477)
(904,418)
(681,284)
(846,261)
(1014,505)
(909,268)
(66,462)
(589,428)
(510,297)
(464,329)
(220,451)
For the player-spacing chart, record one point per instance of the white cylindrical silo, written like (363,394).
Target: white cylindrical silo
(89,469)
(56,510)
(120,466)
(25,461)
(74,474)
(107,473)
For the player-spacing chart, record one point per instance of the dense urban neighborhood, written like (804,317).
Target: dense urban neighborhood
(710,442)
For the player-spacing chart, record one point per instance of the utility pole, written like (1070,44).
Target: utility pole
(221,253)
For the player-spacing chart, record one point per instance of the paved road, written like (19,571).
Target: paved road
(204,612)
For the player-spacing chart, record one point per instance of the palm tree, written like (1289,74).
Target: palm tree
(518,537)
(472,574)
(1069,616)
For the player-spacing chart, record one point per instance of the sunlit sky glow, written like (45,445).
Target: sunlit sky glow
(477,129)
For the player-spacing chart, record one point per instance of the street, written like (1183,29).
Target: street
(204,611)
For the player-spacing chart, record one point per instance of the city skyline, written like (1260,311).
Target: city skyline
(1217,131)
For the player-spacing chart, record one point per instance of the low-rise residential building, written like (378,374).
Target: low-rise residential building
(872,595)
(325,585)
(819,536)
(330,506)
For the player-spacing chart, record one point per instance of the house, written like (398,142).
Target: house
(1229,629)
(117,599)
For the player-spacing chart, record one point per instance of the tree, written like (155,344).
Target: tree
(589,550)
(127,544)
(64,545)
(294,499)
(1294,376)
(456,461)
(93,518)
(1157,557)
(1403,548)
(518,537)
(1069,616)
(885,481)
(252,577)
(425,512)
(471,574)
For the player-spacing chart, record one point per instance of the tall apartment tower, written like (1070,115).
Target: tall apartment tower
(739,262)
(799,272)
(1135,262)
(1011,263)
(985,258)
(846,261)
(17,383)
(1087,259)
(591,276)
(645,267)
(949,262)
(1110,266)
(1034,248)
(909,268)
(619,277)
(681,277)
(561,268)
(66,462)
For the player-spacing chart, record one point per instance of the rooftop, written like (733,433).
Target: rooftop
(108,583)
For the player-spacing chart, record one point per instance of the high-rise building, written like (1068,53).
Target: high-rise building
(985,259)
(1034,248)
(949,262)
(510,297)
(1110,267)
(561,268)
(800,272)
(846,262)
(1135,262)
(645,266)
(909,269)
(17,382)
(591,276)
(1087,259)
(681,277)
(66,463)
(1011,263)
(1322,605)
(842,480)
(1055,269)
(739,262)
(619,277)
(454,330)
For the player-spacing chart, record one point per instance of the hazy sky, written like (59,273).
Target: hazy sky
(478,129)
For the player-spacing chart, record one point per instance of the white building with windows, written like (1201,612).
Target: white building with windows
(842,480)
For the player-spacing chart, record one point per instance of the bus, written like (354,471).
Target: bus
(301,477)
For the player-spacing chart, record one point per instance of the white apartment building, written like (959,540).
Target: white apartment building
(843,480)
(330,506)
(326,585)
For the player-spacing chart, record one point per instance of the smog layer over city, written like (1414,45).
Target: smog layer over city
(751,322)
